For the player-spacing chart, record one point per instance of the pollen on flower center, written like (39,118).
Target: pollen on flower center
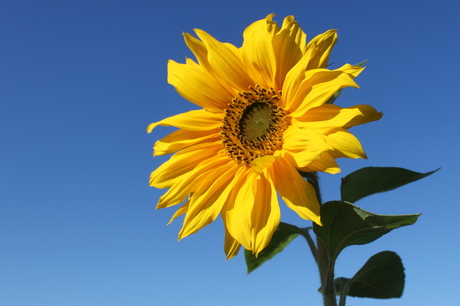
(253,125)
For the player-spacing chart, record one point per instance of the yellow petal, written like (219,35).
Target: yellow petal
(199,50)
(315,57)
(265,214)
(289,45)
(195,120)
(258,53)
(296,192)
(254,215)
(345,144)
(231,246)
(368,114)
(182,162)
(260,163)
(320,48)
(197,86)
(353,71)
(201,53)
(328,117)
(295,32)
(182,210)
(233,214)
(317,87)
(181,139)
(325,163)
(226,61)
(177,193)
(304,145)
(294,77)
(208,198)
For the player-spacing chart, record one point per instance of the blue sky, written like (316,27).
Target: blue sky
(81,80)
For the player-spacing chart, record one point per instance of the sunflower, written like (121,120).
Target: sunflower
(264,117)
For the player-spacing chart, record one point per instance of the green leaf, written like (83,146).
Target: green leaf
(370,180)
(283,235)
(334,97)
(381,277)
(362,63)
(345,224)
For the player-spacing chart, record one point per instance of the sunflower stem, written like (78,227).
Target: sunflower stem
(310,242)
(325,263)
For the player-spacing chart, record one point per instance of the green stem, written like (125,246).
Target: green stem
(325,264)
(310,242)
(326,273)
(343,294)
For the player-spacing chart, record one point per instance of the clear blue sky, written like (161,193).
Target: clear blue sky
(81,80)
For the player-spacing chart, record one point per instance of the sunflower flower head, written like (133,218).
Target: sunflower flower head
(263,117)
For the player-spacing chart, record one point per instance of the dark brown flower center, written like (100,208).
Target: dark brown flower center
(253,125)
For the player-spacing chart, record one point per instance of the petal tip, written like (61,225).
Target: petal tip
(150,127)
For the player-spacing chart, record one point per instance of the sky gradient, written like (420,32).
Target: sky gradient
(81,80)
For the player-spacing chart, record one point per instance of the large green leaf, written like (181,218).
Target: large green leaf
(381,277)
(370,180)
(283,235)
(345,224)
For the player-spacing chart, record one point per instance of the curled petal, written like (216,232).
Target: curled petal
(289,44)
(258,53)
(296,34)
(368,114)
(317,87)
(315,57)
(345,144)
(304,145)
(328,117)
(319,49)
(325,163)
